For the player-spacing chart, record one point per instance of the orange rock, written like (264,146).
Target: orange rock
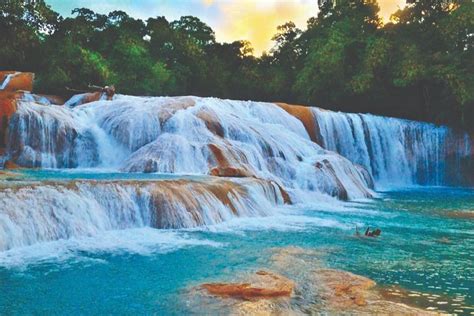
(264,285)
(464,214)
(18,80)
(212,122)
(7,108)
(221,159)
(342,289)
(284,194)
(89,97)
(306,116)
(11,165)
(230,162)
(229,172)
(53,99)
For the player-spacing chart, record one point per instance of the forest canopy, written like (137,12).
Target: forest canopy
(418,66)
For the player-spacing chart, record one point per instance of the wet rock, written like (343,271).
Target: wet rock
(463,214)
(8,107)
(306,116)
(228,161)
(229,172)
(444,240)
(307,287)
(48,99)
(338,189)
(84,98)
(263,285)
(8,175)
(16,81)
(11,165)
(212,122)
(343,290)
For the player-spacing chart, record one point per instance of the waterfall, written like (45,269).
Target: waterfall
(251,156)
(36,213)
(397,151)
(184,135)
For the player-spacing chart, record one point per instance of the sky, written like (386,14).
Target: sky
(252,20)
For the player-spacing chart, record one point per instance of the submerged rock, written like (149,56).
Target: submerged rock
(307,287)
(262,285)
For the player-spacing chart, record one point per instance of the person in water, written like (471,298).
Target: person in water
(374,233)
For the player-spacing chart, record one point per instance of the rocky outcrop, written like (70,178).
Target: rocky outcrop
(345,292)
(15,87)
(262,285)
(299,283)
(8,106)
(229,172)
(306,116)
(12,81)
(229,162)
(106,93)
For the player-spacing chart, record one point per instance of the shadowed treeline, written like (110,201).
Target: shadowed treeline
(421,66)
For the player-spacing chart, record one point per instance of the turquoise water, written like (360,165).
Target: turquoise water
(94,174)
(427,245)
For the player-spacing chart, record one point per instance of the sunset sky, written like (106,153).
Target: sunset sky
(253,20)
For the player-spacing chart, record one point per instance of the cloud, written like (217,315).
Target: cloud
(256,21)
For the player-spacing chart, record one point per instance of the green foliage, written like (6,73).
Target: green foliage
(419,66)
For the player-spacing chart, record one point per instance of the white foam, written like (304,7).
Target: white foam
(141,241)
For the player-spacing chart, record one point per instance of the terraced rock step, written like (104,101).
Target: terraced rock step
(39,211)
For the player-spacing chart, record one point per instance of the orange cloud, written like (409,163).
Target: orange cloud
(257,20)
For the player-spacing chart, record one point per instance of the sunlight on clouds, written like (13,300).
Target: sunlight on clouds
(257,21)
(252,20)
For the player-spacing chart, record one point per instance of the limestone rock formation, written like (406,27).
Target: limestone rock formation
(16,81)
(306,116)
(262,285)
(307,287)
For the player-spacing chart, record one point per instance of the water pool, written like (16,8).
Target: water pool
(427,245)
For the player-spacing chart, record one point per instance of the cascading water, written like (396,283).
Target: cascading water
(49,211)
(396,151)
(182,135)
(267,145)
